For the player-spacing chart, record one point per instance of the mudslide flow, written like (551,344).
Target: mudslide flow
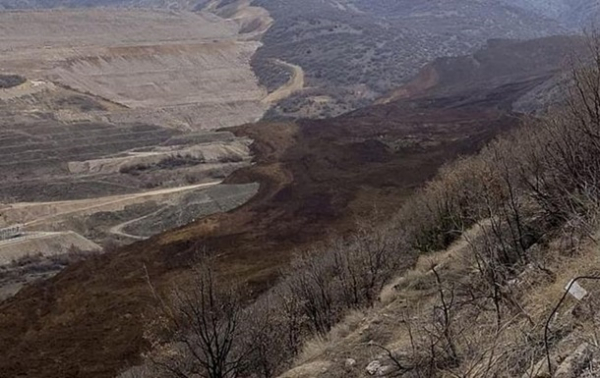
(295,84)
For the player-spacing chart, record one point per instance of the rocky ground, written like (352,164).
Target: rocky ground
(113,129)
(107,120)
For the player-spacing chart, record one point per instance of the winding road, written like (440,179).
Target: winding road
(118,229)
(295,84)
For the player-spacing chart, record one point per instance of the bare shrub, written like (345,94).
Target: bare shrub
(439,213)
(365,262)
(272,335)
(206,320)
(312,282)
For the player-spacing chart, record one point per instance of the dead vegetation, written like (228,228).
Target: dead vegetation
(216,337)
(35,267)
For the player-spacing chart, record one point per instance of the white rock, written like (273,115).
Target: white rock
(350,362)
(576,290)
(576,362)
(373,367)
(384,370)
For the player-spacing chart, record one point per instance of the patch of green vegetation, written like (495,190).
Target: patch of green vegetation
(10,81)
(82,103)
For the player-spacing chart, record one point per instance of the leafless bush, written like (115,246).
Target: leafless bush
(366,261)
(312,282)
(349,273)
(447,205)
(272,332)
(213,335)
(206,320)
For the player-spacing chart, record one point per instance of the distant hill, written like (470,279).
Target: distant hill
(41,4)
(499,62)
(354,51)
(571,13)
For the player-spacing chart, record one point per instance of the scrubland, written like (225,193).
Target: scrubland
(467,280)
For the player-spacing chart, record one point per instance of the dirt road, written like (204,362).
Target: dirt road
(118,229)
(295,84)
(35,213)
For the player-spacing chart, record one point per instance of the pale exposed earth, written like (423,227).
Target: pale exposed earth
(182,70)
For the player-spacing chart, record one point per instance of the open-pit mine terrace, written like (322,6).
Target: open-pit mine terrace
(109,136)
(91,177)
(181,69)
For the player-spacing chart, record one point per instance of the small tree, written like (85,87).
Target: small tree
(206,320)
(271,336)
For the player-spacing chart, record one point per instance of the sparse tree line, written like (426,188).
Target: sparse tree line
(522,190)
(527,184)
(211,333)
(538,184)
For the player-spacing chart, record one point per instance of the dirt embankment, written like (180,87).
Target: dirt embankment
(427,79)
(36,213)
(44,243)
(500,62)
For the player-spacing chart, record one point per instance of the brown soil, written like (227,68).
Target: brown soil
(316,177)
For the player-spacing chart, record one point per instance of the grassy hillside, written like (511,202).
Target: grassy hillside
(502,236)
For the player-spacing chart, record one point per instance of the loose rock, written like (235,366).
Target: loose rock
(373,367)
(350,362)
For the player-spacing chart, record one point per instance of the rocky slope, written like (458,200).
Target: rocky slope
(44,4)
(384,43)
(500,62)
(113,105)
(575,14)
(389,339)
